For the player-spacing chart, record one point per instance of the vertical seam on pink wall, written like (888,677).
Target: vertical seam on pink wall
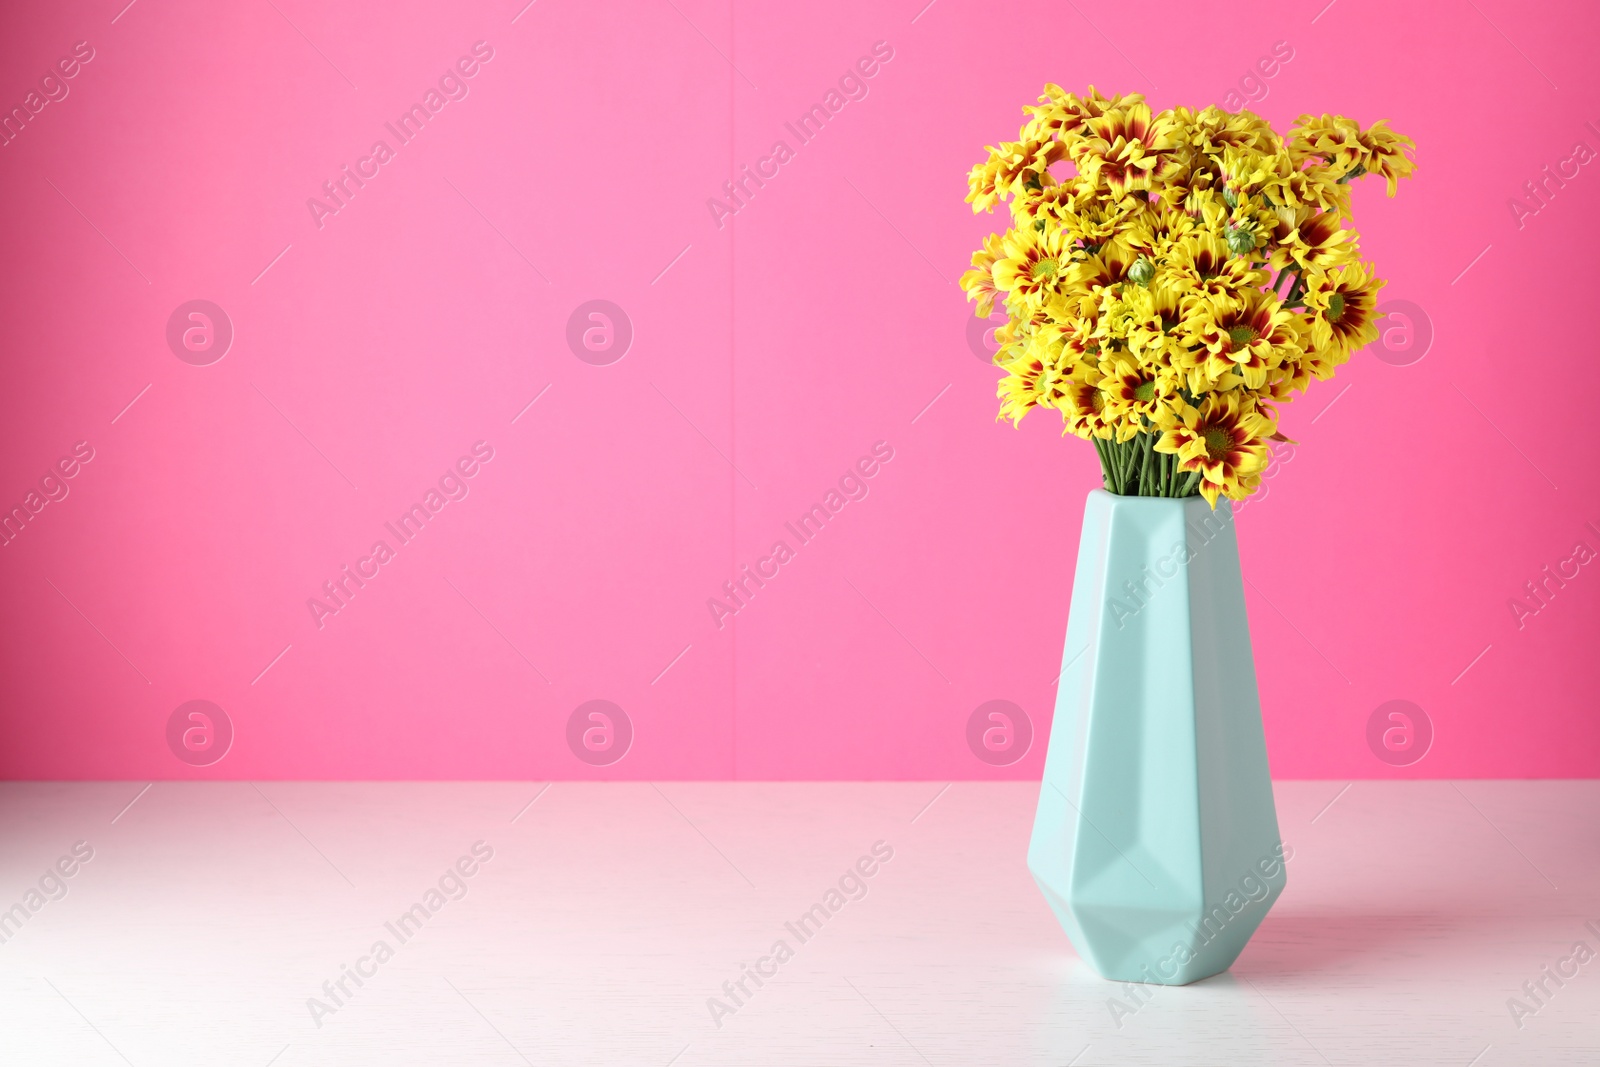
(733,404)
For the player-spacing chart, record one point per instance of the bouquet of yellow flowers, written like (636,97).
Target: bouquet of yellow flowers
(1144,278)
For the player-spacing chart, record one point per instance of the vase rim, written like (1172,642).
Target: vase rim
(1179,500)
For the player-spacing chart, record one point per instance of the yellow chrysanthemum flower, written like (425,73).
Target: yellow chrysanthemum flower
(1062,115)
(1032,263)
(1155,229)
(1342,309)
(1107,265)
(1088,411)
(1090,220)
(1008,170)
(1224,440)
(1037,378)
(1155,318)
(1127,149)
(1138,285)
(1137,393)
(1203,264)
(1304,239)
(1352,151)
(978,283)
(1244,336)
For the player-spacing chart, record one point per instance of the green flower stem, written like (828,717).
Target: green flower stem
(1135,468)
(1108,463)
(1146,468)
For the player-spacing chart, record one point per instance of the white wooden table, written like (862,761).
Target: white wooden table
(609,916)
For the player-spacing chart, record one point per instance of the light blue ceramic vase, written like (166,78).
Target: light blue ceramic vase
(1156,840)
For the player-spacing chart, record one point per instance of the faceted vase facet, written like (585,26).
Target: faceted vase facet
(1156,839)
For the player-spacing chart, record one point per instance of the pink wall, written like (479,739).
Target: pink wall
(374,347)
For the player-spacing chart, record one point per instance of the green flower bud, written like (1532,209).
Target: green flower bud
(1241,242)
(1230,198)
(1141,272)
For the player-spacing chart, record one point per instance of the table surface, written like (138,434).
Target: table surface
(606,918)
